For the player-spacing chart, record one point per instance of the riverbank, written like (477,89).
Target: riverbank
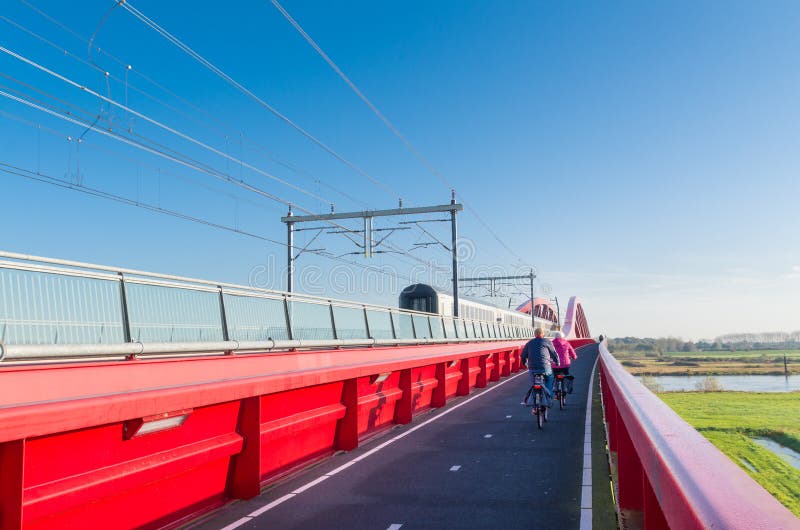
(732,421)
(711,363)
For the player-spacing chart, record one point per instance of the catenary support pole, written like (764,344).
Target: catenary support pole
(290,253)
(454,249)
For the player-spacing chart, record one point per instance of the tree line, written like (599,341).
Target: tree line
(729,342)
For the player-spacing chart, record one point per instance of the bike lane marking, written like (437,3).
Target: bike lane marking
(586,483)
(249,517)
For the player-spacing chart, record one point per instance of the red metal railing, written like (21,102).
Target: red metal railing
(670,473)
(152,443)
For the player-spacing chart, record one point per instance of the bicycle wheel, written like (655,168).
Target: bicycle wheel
(538,406)
(562,396)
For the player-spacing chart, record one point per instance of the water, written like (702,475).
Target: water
(789,455)
(741,383)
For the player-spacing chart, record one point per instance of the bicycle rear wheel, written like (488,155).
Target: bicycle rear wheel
(539,407)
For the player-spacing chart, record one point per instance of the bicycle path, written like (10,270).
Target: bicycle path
(480,462)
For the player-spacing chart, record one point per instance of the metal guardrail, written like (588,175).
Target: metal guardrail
(59,309)
(668,472)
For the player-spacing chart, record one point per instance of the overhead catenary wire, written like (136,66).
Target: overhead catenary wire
(244,90)
(124,107)
(119,155)
(62,183)
(428,165)
(215,124)
(159,124)
(175,158)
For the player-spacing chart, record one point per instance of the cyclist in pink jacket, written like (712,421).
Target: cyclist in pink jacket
(565,353)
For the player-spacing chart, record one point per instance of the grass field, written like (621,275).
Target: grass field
(730,420)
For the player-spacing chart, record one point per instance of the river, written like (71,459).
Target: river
(741,383)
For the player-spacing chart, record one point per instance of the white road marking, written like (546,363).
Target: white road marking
(311,484)
(487,435)
(340,468)
(238,523)
(455,468)
(372,451)
(508,415)
(271,505)
(586,486)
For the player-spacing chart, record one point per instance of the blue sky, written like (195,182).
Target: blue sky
(642,155)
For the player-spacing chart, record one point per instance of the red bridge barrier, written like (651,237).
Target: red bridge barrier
(154,443)
(669,472)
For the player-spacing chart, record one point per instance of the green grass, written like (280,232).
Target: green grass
(731,419)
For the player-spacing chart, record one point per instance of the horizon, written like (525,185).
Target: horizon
(641,157)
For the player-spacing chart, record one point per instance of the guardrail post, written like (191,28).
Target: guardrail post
(333,321)
(244,481)
(463,383)
(223,316)
(287,313)
(516,364)
(631,474)
(508,357)
(126,322)
(394,328)
(482,375)
(366,324)
(12,472)
(494,375)
(347,428)
(439,397)
(403,407)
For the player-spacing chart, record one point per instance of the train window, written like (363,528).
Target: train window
(422,303)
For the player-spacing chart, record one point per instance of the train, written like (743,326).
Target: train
(428,299)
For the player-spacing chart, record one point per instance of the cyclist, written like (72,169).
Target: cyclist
(565,355)
(539,356)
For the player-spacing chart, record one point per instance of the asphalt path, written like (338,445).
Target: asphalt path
(480,462)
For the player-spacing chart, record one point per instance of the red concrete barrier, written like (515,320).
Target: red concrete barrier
(669,472)
(153,443)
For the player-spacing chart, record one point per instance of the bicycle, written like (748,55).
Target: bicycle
(560,390)
(538,407)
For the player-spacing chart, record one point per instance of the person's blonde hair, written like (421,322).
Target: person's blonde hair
(538,332)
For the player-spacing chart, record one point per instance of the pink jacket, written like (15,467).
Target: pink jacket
(565,352)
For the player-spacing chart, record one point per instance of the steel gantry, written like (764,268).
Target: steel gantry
(492,283)
(368,243)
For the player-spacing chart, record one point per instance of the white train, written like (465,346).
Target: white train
(423,297)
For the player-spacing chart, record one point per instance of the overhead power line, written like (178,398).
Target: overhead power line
(62,183)
(179,159)
(176,157)
(428,165)
(214,124)
(244,90)
(157,123)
